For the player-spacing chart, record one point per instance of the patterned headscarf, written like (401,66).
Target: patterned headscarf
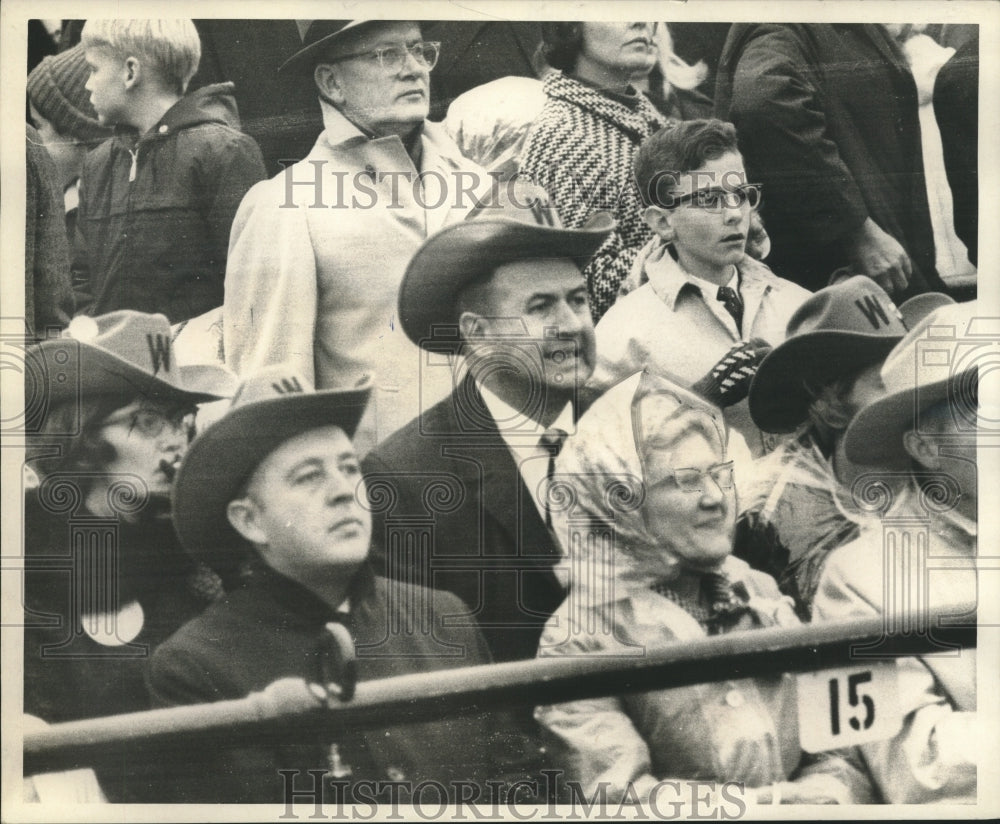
(598,491)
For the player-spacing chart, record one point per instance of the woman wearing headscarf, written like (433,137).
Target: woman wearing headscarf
(106,579)
(646,511)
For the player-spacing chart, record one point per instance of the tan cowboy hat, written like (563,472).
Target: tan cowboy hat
(269,407)
(514,222)
(123,353)
(840,330)
(937,361)
(319,36)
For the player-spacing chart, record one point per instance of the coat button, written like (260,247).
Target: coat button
(734,698)
(395,774)
(163,129)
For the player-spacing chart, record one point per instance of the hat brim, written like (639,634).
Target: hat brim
(304,61)
(222,458)
(467,252)
(778,400)
(90,371)
(875,435)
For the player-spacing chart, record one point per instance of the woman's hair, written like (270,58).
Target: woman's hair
(600,478)
(561,44)
(87,452)
(830,412)
(679,148)
(171,47)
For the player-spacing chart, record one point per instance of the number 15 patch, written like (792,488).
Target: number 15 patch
(852,705)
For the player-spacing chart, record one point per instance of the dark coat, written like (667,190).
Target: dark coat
(956,107)
(828,122)
(448,485)
(68,675)
(272,628)
(158,243)
(48,293)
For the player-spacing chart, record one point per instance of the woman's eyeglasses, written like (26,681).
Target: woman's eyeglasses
(717,199)
(693,480)
(392,58)
(150,422)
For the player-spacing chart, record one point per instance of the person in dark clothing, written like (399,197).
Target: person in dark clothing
(157,201)
(105,579)
(838,151)
(283,516)
(48,292)
(467,482)
(956,107)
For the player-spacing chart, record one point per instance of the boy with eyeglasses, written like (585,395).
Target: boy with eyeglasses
(708,311)
(318,252)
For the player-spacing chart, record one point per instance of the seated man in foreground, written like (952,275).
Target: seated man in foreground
(281,517)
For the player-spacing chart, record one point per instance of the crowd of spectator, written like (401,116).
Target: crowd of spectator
(608,359)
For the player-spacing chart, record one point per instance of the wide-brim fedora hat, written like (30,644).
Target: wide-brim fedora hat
(515,221)
(936,361)
(123,353)
(320,37)
(269,407)
(838,331)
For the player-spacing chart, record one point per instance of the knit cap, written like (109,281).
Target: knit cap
(56,90)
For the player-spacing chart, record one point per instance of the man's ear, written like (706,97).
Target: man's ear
(325,78)
(472,326)
(132,72)
(658,219)
(922,449)
(242,515)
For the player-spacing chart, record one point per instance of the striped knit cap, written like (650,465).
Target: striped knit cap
(56,90)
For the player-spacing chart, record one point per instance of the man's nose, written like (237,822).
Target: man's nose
(412,65)
(339,489)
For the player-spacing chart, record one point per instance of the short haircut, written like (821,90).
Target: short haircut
(171,47)
(679,148)
(562,44)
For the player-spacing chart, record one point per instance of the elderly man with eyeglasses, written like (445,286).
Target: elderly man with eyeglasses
(317,253)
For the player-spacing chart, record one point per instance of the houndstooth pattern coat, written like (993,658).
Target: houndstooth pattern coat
(580,151)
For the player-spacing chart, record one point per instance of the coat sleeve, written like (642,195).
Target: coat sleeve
(933,757)
(271,290)
(778,110)
(48,293)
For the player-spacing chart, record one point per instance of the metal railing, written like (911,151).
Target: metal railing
(294,710)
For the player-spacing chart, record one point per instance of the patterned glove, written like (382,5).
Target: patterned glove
(728,382)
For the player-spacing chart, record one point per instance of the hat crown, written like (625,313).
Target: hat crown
(57,89)
(141,340)
(519,201)
(271,382)
(934,350)
(857,305)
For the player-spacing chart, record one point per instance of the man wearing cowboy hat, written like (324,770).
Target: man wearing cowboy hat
(504,289)
(271,496)
(318,252)
(797,506)
(923,429)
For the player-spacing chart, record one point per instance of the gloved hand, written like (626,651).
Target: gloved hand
(728,382)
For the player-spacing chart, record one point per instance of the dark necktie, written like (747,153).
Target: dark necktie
(733,303)
(552,442)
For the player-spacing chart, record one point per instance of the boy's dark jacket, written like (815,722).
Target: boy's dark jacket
(158,242)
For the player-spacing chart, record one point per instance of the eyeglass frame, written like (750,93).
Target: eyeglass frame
(742,193)
(177,422)
(379,53)
(700,474)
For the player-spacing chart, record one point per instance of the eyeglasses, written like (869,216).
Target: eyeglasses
(392,58)
(689,479)
(150,422)
(715,200)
